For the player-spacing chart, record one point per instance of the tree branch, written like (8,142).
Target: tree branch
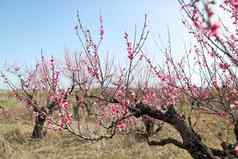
(167,141)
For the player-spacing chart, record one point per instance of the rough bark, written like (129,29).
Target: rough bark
(39,124)
(236,130)
(191,141)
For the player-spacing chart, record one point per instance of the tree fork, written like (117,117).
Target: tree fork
(191,141)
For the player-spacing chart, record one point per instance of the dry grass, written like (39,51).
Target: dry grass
(15,141)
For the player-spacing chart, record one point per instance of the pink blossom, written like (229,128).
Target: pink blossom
(234,3)
(93,72)
(236,150)
(129,46)
(224,66)
(115,110)
(14,93)
(214,29)
(121,126)
(130,50)
(65,104)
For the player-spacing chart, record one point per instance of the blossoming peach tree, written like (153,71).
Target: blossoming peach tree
(210,83)
(116,99)
(214,90)
(40,91)
(92,83)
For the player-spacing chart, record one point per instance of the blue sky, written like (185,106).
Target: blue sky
(29,25)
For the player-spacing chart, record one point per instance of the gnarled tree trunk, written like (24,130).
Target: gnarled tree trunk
(39,124)
(191,141)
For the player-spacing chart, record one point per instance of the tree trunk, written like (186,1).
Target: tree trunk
(76,111)
(191,141)
(39,124)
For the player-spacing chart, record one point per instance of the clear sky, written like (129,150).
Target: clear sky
(29,25)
